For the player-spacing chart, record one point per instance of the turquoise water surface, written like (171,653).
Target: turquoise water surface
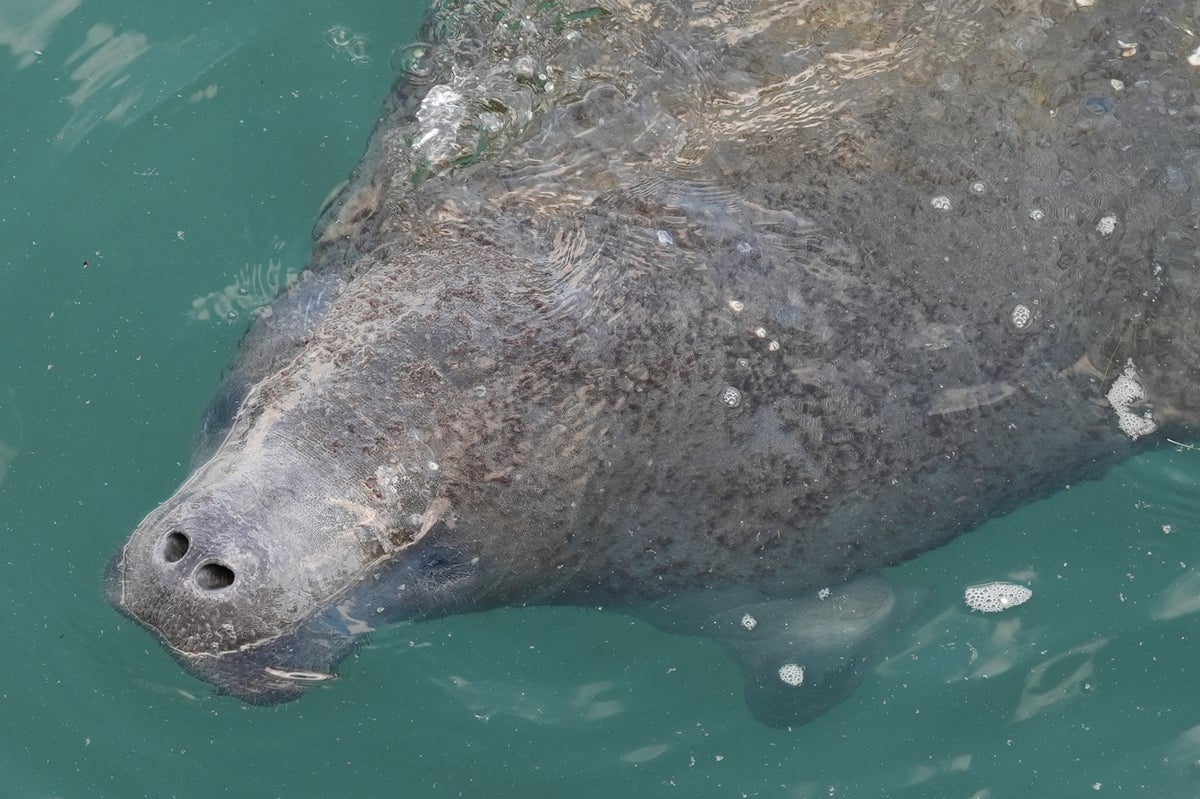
(163,164)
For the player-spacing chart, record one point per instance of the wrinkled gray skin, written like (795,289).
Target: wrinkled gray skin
(652,309)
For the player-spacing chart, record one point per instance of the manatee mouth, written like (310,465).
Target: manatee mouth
(298,675)
(242,675)
(262,690)
(271,672)
(276,671)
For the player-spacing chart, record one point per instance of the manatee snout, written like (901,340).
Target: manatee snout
(274,671)
(263,588)
(190,572)
(187,592)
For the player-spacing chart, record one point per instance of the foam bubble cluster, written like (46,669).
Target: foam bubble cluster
(996,596)
(749,622)
(791,673)
(1126,392)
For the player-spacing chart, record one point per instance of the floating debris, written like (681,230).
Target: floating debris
(749,622)
(996,596)
(1126,392)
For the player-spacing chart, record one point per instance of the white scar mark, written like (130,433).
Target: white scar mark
(434,513)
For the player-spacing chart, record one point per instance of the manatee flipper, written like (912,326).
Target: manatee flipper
(799,657)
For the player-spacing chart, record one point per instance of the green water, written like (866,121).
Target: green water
(162,167)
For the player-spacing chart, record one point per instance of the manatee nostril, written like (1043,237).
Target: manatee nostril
(175,546)
(214,576)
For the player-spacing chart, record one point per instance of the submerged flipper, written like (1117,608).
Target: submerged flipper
(799,657)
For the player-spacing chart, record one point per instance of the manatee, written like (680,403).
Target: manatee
(699,311)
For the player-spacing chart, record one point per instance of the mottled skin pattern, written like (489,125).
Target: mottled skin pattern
(508,377)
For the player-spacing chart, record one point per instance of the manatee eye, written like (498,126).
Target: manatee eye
(174,546)
(214,576)
(440,567)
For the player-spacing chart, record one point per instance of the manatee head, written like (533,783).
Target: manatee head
(260,571)
(322,512)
